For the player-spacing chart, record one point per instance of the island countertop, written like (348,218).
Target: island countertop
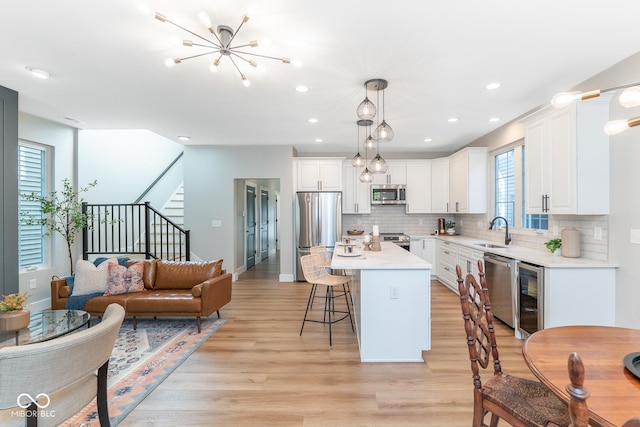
(391,256)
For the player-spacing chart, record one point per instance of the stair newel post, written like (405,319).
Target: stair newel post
(187,244)
(147,230)
(85,234)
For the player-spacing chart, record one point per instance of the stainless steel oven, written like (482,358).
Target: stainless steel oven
(530,298)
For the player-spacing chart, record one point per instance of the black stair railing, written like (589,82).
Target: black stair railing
(133,229)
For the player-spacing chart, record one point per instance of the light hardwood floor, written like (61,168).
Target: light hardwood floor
(257,371)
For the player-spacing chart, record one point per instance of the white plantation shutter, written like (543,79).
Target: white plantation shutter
(31,179)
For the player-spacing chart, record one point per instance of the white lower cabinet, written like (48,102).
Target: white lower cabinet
(447,258)
(425,248)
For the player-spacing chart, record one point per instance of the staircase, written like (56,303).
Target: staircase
(137,230)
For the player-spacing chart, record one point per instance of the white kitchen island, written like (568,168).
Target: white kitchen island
(391,292)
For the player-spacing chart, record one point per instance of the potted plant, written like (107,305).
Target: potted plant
(450,227)
(61,213)
(13,316)
(554,245)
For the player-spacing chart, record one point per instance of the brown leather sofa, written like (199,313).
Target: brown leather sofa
(172,288)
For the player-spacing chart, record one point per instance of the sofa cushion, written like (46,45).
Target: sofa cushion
(90,279)
(161,302)
(184,275)
(124,280)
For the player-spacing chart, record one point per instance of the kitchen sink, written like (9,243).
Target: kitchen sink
(490,245)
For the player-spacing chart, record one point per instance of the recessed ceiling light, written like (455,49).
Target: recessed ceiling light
(494,119)
(313,120)
(492,86)
(39,73)
(302,89)
(452,119)
(184,138)
(428,140)
(318,140)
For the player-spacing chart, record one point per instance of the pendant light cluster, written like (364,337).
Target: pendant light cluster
(383,132)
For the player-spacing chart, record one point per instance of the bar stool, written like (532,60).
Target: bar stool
(315,273)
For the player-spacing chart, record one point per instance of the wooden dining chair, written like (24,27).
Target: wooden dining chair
(517,401)
(313,268)
(578,394)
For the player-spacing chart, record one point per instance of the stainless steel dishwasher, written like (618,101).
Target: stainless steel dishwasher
(500,274)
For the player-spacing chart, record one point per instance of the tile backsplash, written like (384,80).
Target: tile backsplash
(393,219)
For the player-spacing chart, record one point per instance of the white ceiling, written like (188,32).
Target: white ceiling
(438,56)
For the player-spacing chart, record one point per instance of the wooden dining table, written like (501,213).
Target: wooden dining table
(614,390)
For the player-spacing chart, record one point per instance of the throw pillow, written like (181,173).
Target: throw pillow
(90,279)
(123,280)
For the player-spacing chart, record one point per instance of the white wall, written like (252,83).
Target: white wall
(125,163)
(210,194)
(63,140)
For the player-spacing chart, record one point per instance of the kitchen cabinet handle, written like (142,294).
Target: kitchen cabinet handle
(447,206)
(357,208)
(456,206)
(319,185)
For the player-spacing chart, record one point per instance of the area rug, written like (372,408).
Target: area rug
(141,360)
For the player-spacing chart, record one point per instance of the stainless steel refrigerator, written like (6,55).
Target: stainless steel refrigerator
(318,222)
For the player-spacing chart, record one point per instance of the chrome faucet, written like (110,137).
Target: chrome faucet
(507,236)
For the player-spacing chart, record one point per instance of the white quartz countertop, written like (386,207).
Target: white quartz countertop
(543,258)
(391,257)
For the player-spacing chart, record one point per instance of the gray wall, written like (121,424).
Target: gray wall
(9,191)
(210,194)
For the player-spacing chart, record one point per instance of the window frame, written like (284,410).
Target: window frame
(519,147)
(47,176)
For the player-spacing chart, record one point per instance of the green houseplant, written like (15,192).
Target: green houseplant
(450,227)
(61,213)
(553,245)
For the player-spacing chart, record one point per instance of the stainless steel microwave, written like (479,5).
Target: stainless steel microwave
(388,194)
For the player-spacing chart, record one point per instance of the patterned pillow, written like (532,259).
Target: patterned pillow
(123,280)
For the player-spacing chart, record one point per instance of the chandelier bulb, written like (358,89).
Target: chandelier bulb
(630,97)
(253,63)
(160,17)
(206,21)
(253,43)
(170,62)
(245,81)
(187,43)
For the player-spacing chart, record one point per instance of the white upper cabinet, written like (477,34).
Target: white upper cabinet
(418,175)
(318,174)
(440,185)
(468,180)
(396,174)
(567,160)
(356,196)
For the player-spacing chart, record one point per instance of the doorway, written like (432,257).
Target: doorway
(264,223)
(251,226)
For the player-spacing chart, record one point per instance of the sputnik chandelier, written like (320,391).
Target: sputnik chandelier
(630,97)
(366,112)
(224,36)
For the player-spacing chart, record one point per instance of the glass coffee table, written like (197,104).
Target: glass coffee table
(46,325)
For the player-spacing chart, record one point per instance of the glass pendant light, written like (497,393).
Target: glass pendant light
(358,160)
(383,132)
(378,164)
(366,176)
(366,110)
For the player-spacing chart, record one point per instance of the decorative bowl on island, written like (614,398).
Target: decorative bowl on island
(355,232)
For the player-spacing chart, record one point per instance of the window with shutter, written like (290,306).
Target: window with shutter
(31,179)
